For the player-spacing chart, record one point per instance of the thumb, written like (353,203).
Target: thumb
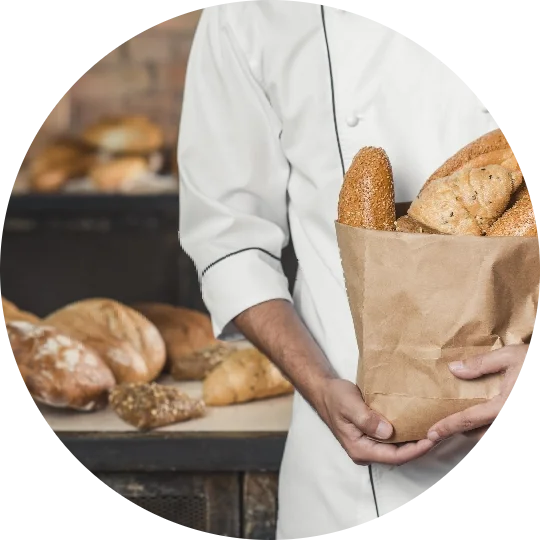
(369,422)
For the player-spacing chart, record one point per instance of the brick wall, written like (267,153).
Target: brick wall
(145,75)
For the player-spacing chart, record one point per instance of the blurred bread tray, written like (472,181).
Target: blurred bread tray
(123,155)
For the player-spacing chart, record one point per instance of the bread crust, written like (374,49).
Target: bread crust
(366,198)
(517,220)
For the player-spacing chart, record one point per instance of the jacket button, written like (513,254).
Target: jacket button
(353,120)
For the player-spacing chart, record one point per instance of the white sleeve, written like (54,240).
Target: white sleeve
(233,178)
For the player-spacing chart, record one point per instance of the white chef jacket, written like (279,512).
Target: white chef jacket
(279,98)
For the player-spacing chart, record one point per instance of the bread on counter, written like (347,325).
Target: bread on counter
(245,375)
(148,406)
(366,198)
(117,174)
(188,337)
(126,340)
(57,163)
(13,313)
(58,370)
(124,134)
(197,364)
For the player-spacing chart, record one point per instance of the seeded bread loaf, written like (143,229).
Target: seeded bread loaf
(149,406)
(366,198)
(128,342)
(58,370)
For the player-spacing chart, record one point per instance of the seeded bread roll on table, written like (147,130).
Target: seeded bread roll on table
(148,406)
(367,199)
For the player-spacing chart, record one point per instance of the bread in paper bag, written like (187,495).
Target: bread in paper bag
(420,301)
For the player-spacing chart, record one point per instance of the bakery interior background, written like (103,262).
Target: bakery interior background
(92,218)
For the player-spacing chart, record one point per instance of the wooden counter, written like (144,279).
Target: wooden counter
(217,473)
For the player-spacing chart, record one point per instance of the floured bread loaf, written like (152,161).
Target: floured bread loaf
(128,342)
(148,406)
(467,202)
(185,331)
(13,313)
(409,225)
(58,370)
(245,375)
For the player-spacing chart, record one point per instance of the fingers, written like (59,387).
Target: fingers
(365,451)
(366,420)
(467,420)
(492,362)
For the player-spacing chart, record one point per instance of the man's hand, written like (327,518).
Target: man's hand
(507,360)
(277,330)
(353,422)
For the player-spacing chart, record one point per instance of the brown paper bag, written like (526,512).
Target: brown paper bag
(419,301)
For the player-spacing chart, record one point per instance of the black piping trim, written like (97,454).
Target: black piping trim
(332,89)
(236,253)
(373,490)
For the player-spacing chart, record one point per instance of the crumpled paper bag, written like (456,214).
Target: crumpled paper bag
(420,301)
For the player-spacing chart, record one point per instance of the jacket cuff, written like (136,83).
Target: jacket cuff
(237,282)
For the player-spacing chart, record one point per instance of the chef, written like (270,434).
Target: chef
(279,97)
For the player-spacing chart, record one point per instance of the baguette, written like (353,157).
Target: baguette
(491,143)
(244,376)
(366,198)
(517,220)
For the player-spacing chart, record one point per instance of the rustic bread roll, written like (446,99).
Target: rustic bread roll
(58,370)
(244,376)
(367,196)
(197,364)
(125,134)
(13,313)
(466,202)
(517,220)
(490,143)
(128,342)
(148,406)
(58,163)
(118,174)
(184,331)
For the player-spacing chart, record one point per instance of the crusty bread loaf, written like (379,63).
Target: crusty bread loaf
(366,199)
(58,163)
(148,406)
(128,342)
(184,331)
(124,134)
(244,376)
(517,220)
(117,174)
(466,202)
(490,143)
(197,364)
(13,313)
(58,370)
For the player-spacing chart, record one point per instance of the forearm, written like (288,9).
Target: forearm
(276,329)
